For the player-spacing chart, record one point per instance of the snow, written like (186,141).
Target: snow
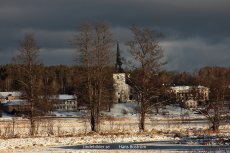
(169,111)
(4,101)
(117,109)
(119,125)
(185,87)
(6,117)
(15,102)
(64,97)
(68,114)
(54,141)
(15,93)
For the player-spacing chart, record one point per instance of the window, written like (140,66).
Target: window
(130,97)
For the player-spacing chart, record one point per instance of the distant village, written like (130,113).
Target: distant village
(124,91)
(12,103)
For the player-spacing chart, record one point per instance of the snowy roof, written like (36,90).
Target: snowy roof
(14,102)
(4,101)
(64,97)
(14,93)
(200,87)
(186,87)
(181,87)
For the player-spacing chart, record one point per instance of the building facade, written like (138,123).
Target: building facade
(65,102)
(16,106)
(183,93)
(122,90)
(189,104)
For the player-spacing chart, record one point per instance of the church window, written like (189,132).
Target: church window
(130,97)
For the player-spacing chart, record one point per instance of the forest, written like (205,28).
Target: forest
(67,79)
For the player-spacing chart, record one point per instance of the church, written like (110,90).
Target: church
(123,90)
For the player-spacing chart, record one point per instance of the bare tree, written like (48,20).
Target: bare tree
(214,112)
(93,44)
(218,89)
(31,77)
(147,53)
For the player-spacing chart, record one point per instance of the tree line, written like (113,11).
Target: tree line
(67,79)
(64,78)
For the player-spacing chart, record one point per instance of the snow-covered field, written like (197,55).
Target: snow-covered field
(118,125)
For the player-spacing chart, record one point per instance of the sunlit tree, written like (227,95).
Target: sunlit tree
(147,53)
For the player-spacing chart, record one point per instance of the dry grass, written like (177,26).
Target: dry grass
(108,126)
(116,133)
(117,119)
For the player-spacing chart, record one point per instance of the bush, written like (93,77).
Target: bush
(124,111)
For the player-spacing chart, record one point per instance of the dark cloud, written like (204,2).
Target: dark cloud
(195,30)
(189,54)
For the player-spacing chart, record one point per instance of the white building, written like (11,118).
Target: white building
(198,93)
(65,102)
(121,89)
(189,104)
(14,106)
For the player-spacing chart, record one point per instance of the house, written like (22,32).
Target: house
(182,93)
(16,106)
(64,102)
(189,104)
(10,102)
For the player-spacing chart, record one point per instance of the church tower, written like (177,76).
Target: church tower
(121,89)
(118,60)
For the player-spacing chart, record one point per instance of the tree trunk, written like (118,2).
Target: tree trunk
(215,126)
(142,120)
(92,121)
(32,125)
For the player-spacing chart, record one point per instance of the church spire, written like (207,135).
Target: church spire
(118,60)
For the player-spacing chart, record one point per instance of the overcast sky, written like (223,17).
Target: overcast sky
(197,32)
